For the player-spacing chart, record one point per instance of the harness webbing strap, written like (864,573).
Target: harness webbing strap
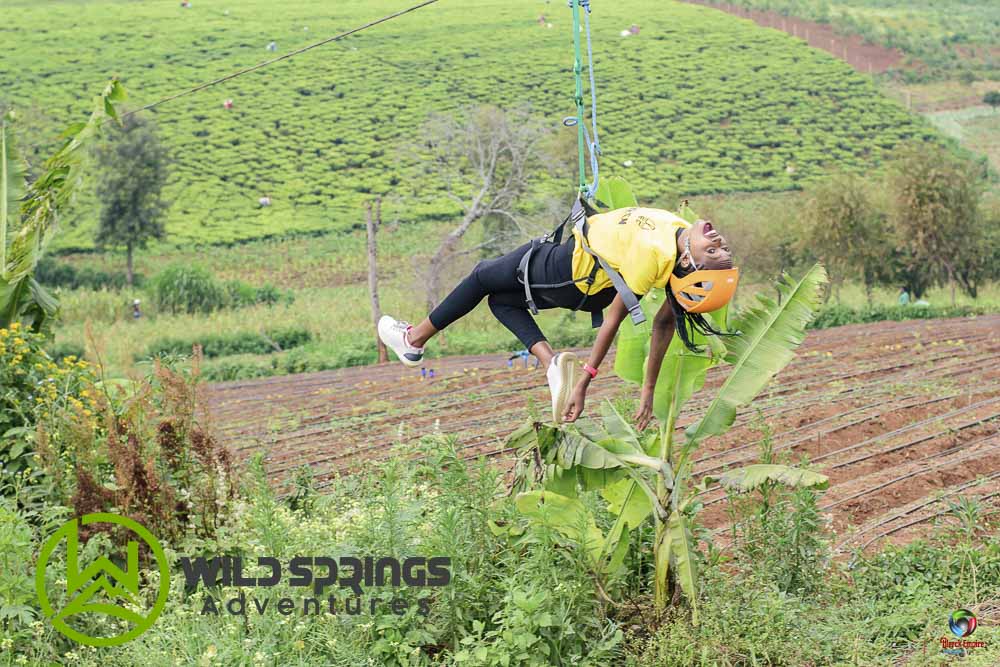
(628,297)
(578,215)
(522,271)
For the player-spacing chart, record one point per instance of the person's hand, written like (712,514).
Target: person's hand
(644,413)
(575,406)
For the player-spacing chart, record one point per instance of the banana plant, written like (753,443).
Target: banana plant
(641,476)
(29,213)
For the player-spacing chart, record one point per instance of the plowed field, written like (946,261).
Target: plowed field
(903,417)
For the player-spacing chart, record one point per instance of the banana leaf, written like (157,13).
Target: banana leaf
(11,186)
(566,515)
(751,477)
(682,553)
(770,333)
(615,193)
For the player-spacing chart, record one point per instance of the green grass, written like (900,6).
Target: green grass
(975,128)
(700,101)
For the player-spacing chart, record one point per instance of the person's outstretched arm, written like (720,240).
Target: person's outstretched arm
(663,331)
(613,318)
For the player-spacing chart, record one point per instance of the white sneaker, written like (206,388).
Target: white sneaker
(393,334)
(562,377)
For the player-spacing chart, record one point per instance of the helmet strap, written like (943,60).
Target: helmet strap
(687,251)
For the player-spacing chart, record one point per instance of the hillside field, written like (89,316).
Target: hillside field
(699,101)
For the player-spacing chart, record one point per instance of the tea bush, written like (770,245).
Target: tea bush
(699,102)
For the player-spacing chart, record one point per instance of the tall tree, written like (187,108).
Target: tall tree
(846,230)
(935,214)
(485,158)
(133,170)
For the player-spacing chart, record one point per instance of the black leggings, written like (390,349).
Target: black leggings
(497,279)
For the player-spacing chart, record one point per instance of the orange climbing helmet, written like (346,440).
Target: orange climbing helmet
(705,290)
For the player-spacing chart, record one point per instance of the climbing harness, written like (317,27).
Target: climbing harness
(578,217)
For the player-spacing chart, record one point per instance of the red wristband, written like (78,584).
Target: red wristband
(590,369)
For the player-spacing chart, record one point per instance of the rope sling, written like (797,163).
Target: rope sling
(582,209)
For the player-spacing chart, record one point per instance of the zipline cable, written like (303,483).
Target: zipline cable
(282,57)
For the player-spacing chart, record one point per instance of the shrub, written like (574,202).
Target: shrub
(60,351)
(242,294)
(836,316)
(184,288)
(221,345)
(33,388)
(51,273)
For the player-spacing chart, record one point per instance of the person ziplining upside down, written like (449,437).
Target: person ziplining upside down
(637,248)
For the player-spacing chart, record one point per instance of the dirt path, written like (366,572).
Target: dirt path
(893,412)
(862,56)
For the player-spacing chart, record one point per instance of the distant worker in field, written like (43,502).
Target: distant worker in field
(264,201)
(136,314)
(904,296)
(610,261)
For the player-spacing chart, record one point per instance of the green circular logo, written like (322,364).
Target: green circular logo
(84,587)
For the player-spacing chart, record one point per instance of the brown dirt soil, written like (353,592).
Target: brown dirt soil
(855,51)
(893,412)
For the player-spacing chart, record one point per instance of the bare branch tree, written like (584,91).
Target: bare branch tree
(485,158)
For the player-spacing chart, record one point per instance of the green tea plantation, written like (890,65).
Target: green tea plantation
(697,102)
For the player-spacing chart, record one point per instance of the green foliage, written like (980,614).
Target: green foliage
(35,388)
(187,288)
(992,98)
(52,273)
(60,351)
(192,288)
(132,170)
(22,298)
(835,316)
(17,594)
(752,477)
(739,106)
(938,230)
(769,334)
(845,229)
(641,476)
(223,344)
